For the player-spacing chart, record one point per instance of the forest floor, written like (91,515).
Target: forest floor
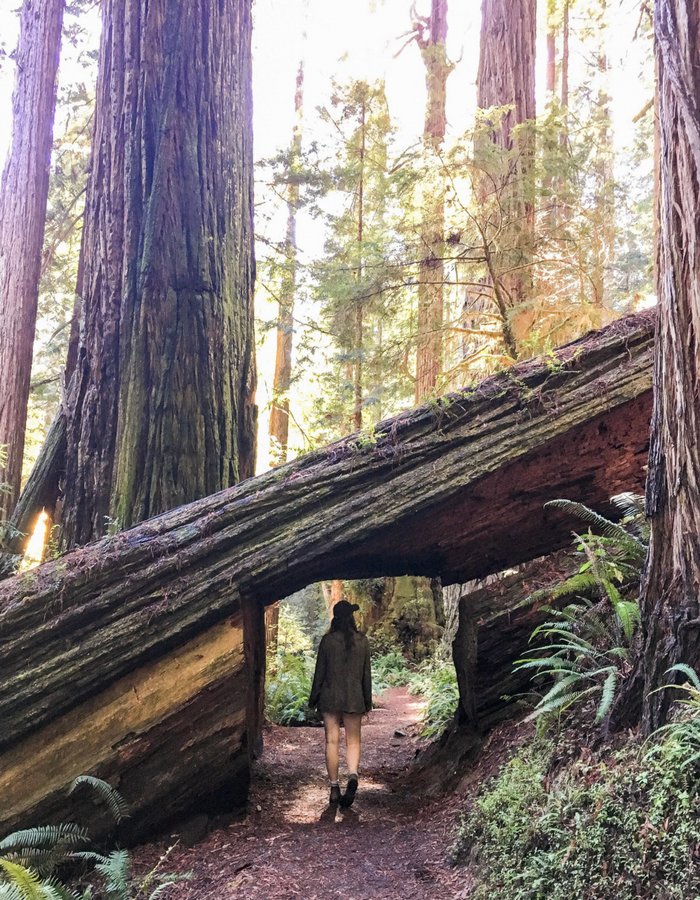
(390,845)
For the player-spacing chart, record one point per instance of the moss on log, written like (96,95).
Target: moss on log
(452,489)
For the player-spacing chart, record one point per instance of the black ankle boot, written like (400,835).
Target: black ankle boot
(350,791)
(335,794)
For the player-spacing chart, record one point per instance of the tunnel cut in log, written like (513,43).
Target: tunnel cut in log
(453,488)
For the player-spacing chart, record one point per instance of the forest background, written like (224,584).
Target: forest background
(342,44)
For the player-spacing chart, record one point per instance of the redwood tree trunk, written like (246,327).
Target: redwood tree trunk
(506,77)
(432,37)
(671,591)
(279,414)
(25,188)
(161,406)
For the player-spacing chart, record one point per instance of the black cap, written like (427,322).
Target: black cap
(343,609)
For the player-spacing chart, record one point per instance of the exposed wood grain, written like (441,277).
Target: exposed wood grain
(114,734)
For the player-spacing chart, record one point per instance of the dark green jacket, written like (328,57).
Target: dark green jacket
(343,678)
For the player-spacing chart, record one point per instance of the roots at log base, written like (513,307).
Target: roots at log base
(453,488)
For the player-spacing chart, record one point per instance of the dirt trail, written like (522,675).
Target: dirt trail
(389,846)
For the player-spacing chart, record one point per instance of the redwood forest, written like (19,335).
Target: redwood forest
(350,449)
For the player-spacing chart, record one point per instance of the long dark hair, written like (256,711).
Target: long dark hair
(346,625)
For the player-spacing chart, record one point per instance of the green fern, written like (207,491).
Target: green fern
(690,673)
(589,640)
(26,881)
(114,870)
(43,849)
(114,800)
(45,836)
(166,880)
(684,732)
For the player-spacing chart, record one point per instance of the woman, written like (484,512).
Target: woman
(342,691)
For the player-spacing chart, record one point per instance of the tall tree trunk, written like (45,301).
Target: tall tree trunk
(562,194)
(25,188)
(279,414)
(506,78)
(671,589)
(604,211)
(431,35)
(565,58)
(358,324)
(161,407)
(548,181)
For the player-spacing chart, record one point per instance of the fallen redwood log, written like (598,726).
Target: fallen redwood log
(453,489)
(496,620)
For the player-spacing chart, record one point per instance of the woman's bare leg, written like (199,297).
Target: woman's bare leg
(353,741)
(331,724)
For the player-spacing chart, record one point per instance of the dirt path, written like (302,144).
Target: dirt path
(388,846)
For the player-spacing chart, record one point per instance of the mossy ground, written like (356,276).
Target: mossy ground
(563,822)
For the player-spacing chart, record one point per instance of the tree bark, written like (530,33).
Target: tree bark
(671,584)
(496,620)
(453,490)
(161,408)
(25,188)
(432,36)
(506,78)
(279,414)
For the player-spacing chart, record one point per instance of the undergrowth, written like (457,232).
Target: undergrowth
(35,862)
(588,641)
(436,681)
(564,823)
(288,688)
(620,827)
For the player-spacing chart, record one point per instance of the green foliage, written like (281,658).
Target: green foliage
(292,637)
(31,860)
(589,640)
(618,828)
(436,681)
(290,672)
(120,884)
(683,733)
(389,669)
(288,688)
(112,798)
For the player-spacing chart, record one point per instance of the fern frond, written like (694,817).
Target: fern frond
(171,880)
(25,880)
(116,804)
(608,696)
(583,583)
(691,674)
(43,862)
(559,704)
(10,892)
(115,871)
(61,892)
(632,545)
(629,616)
(563,687)
(45,837)
(630,505)
(550,663)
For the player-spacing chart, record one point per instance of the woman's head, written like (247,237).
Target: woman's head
(344,610)
(344,621)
